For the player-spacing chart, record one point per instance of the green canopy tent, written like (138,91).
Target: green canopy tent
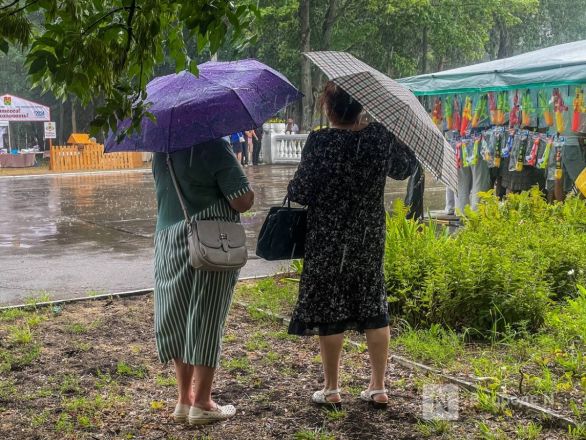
(555,66)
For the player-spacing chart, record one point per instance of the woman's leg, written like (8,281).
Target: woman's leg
(184,374)
(203,379)
(331,349)
(378,347)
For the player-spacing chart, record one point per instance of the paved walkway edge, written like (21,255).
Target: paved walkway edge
(105,296)
(79,173)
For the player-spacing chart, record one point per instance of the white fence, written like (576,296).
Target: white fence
(281,148)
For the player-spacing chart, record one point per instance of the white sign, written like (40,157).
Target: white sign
(50,130)
(13,108)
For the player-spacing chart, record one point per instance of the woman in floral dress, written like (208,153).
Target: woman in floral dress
(341,179)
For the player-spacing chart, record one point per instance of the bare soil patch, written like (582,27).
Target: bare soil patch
(90,371)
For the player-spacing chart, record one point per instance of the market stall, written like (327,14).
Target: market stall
(524,114)
(15,109)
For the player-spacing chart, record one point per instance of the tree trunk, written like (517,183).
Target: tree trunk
(440,64)
(504,49)
(307,110)
(73,116)
(327,28)
(424,50)
(329,22)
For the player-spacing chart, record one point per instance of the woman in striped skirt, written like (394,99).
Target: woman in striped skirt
(191,305)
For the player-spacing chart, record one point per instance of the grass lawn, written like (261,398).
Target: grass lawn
(89,370)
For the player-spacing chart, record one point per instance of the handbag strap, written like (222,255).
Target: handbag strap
(177,188)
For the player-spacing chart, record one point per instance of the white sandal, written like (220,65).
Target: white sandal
(181,412)
(368,395)
(320,397)
(198,416)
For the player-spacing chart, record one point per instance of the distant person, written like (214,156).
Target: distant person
(257,145)
(341,179)
(249,135)
(573,158)
(292,127)
(237,142)
(450,206)
(472,180)
(191,306)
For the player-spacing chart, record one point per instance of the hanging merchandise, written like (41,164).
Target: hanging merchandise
(543,162)
(466,116)
(559,173)
(515,147)
(448,113)
(509,144)
(560,108)
(458,150)
(514,115)
(502,108)
(536,141)
(493,108)
(487,147)
(579,109)
(545,108)
(437,114)
(480,115)
(521,151)
(474,156)
(464,149)
(457,122)
(528,110)
(499,136)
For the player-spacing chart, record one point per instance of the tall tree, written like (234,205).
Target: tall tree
(306,80)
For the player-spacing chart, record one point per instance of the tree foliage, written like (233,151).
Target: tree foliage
(408,37)
(107,51)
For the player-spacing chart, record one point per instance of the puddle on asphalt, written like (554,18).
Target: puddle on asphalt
(117,213)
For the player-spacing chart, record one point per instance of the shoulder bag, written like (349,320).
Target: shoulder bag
(282,236)
(213,245)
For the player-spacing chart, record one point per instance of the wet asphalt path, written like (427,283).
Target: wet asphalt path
(77,235)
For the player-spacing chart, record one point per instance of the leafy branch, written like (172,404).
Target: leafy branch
(103,17)
(16,11)
(131,12)
(9,5)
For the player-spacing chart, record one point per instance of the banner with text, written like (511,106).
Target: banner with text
(13,108)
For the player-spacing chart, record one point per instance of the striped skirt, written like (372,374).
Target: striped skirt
(191,305)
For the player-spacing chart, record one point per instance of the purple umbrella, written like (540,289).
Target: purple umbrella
(226,97)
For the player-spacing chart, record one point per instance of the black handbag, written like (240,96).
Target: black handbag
(282,236)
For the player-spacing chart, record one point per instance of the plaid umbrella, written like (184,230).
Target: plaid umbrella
(395,107)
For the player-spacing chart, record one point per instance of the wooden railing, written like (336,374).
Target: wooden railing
(91,157)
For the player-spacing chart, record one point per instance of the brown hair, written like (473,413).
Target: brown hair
(339,106)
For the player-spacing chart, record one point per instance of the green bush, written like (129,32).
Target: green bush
(500,271)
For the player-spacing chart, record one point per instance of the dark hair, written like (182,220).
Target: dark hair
(340,107)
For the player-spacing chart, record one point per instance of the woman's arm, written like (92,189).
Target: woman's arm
(303,188)
(230,177)
(243,203)
(403,162)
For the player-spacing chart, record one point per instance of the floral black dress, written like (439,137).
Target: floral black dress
(341,179)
